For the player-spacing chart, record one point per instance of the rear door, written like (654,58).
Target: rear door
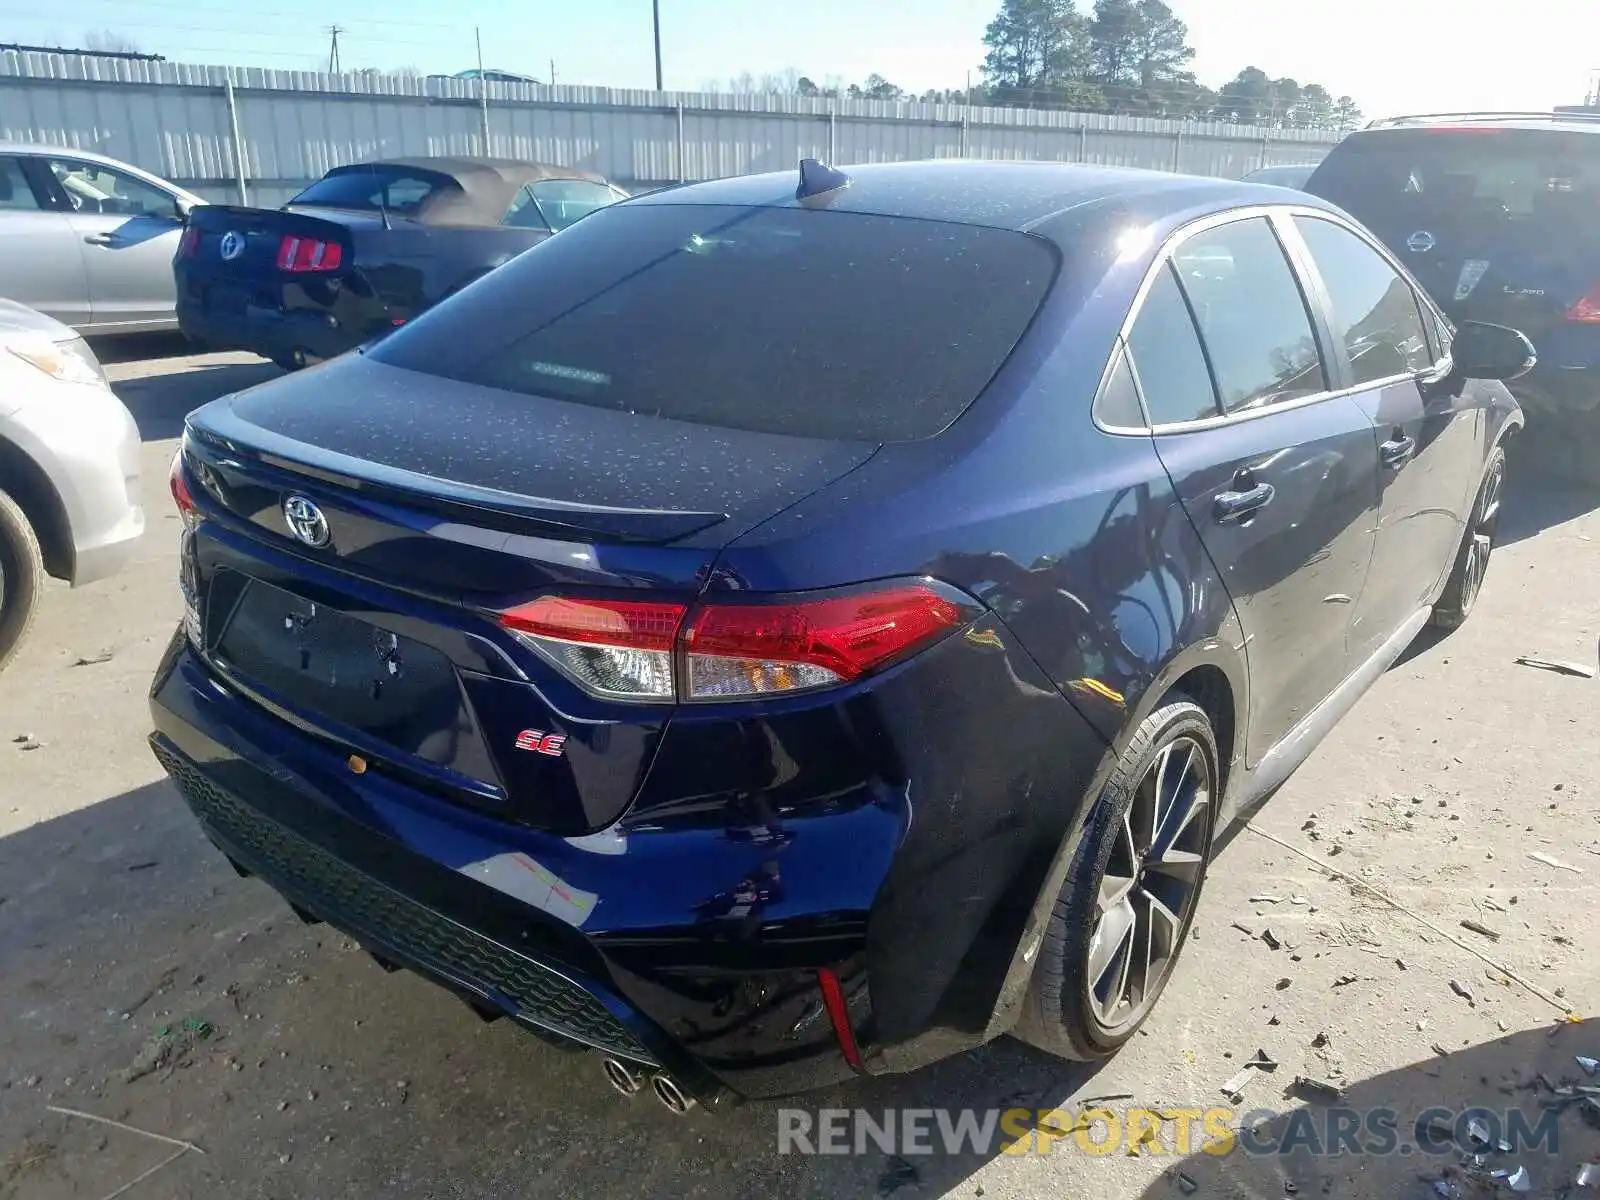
(41,264)
(1498,224)
(1429,450)
(1278,476)
(128,229)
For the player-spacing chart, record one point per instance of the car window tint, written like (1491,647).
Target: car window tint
(15,193)
(1173,377)
(1374,309)
(1483,185)
(777,320)
(369,189)
(92,188)
(523,213)
(563,201)
(1251,315)
(1117,405)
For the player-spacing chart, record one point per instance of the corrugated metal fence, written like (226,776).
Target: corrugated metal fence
(213,129)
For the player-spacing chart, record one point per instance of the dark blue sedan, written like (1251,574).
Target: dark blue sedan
(808,625)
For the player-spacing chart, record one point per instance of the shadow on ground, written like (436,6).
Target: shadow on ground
(1367,1143)
(1539,493)
(160,402)
(320,1075)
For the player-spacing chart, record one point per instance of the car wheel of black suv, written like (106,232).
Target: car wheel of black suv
(21,576)
(1125,908)
(1477,543)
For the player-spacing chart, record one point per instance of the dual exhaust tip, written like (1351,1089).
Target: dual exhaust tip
(628,1082)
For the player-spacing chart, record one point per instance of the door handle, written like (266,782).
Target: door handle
(1232,507)
(100,239)
(1397,451)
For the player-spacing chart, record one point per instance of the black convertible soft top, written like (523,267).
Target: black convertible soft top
(484,187)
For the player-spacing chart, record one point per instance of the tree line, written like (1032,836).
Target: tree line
(1125,56)
(1132,56)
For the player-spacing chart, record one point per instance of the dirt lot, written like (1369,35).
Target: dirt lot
(302,1070)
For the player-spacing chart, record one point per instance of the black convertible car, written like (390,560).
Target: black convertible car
(364,249)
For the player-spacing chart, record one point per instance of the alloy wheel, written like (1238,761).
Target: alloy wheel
(1150,883)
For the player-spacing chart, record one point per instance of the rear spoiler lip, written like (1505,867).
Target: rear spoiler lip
(217,433)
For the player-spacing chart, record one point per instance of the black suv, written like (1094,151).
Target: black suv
(1498,216)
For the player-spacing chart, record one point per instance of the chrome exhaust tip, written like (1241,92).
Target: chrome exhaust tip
(667,1091)
(622,1077)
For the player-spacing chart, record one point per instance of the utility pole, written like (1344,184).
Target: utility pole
(552,72)
(333,49)
(655,12)
(483,90)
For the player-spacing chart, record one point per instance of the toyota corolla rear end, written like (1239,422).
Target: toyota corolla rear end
(489,659)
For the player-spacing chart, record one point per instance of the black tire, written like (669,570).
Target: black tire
(21,577)
(1060,1013)
(1462,589)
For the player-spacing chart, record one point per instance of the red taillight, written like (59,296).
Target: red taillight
(189,243)
(1587,310)
(737,650)
(654,650)
(188,511)
(302,254)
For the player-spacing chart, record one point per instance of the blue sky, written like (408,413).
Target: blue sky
(1391,55)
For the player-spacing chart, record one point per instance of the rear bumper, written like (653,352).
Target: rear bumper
(270,333)
(515,920)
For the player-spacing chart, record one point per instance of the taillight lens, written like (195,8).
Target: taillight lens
(181,495)
(619,648)
(189,243)
(302,254)
(734,650)
(1587,310)
(650,650)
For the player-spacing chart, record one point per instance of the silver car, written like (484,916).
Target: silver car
(89,240)
(69,467)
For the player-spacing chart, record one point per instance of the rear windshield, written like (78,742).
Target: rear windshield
(1475,178)
(399,191)
(779,320)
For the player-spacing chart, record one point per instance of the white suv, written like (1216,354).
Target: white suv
(69,467)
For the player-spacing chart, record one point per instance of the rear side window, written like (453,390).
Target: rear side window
(1173,377)
(1477,179)
(15,191)
(1251,314)
(779,320)
(398,191)
(1374,308)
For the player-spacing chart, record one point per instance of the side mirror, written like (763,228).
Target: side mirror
(1482,351)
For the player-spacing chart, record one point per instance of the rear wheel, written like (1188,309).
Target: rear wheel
(1125,908)
(1461,590)
(21,576)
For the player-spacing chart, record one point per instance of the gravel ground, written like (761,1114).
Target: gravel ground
(303,1070)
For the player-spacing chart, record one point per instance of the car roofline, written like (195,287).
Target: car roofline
(1413,120)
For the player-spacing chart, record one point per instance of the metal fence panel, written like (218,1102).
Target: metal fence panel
(174,119)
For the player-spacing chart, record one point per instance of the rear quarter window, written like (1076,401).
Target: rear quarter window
(778,320)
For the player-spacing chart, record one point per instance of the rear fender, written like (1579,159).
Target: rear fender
(1197,671)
